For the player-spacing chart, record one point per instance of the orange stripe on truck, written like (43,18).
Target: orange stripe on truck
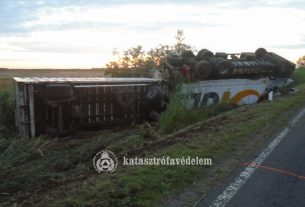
(240,95)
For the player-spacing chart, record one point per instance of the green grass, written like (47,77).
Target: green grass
(64,174)
(178,116)
(6,111)
(6,84)
(298,76)
(59,172)
(142,186)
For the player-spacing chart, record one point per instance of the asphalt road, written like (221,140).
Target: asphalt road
(280,179)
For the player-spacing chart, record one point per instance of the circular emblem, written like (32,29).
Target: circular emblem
(105,161)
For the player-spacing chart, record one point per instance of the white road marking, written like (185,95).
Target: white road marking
(232,189)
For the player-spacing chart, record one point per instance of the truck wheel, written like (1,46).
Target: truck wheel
(223,68)
(204,54)
(221,55)
(260,52)
(203,70)
(283,70)
(175,60)
(154,94)
(187,54)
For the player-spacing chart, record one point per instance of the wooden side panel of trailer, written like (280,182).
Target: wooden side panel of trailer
(95,103)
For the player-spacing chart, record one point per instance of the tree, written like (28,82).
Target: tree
(301,62)
(180,46)
(131,58)
(161,51)
(137,62)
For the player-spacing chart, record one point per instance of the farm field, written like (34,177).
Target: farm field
(6,75)
(9,73)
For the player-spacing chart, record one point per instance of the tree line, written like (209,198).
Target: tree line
(301,62)
(137,62)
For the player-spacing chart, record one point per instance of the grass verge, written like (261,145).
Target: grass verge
(59,172)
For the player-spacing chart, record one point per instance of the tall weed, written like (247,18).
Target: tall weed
(178,115)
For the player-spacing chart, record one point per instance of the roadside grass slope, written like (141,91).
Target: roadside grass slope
(58,172)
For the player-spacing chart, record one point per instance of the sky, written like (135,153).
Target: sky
(83,33)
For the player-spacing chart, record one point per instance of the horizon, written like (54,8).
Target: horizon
(52,68)
(82,34)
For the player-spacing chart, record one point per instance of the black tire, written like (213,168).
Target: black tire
(281,70)
(223,68)
(187,54)
(175,60)
(221,55)
(284,70)
(203,70)
(289,70)
(155,94)
(260,52)
(204,54)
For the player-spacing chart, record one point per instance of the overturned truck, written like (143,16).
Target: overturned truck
(209,66)
(238,78)
(60,105)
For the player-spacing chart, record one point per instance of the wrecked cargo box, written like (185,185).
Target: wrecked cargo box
(59,105)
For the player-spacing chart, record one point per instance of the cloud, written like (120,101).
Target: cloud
(290,46)
(13,13)
(49,47)
(48,30)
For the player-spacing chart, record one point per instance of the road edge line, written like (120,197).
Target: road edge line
(239,181)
